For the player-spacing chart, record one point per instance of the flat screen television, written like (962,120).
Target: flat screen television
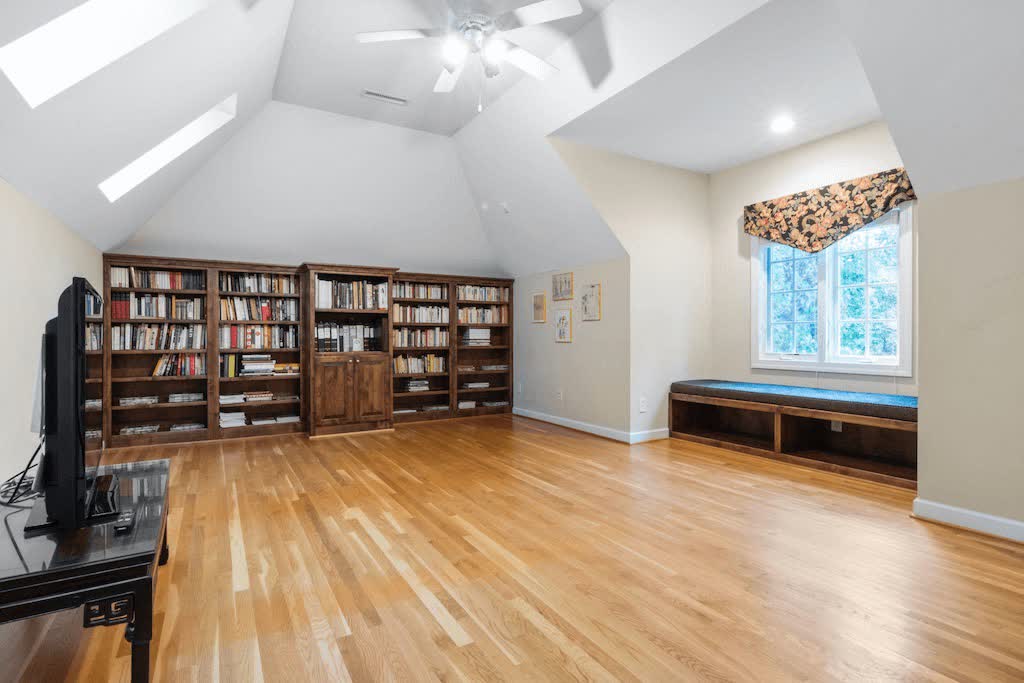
(67,474)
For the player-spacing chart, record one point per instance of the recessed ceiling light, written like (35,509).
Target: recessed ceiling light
(77,44)
(137,172)
(782,124)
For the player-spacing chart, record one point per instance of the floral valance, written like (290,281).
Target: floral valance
(812,220)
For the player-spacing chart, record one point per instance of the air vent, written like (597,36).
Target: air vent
(390,99)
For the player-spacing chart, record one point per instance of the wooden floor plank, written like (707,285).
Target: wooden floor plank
(505,549)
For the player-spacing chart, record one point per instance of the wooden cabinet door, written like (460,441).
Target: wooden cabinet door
(333,392)
(372,381)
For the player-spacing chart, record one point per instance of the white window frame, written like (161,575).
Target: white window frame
(825,359)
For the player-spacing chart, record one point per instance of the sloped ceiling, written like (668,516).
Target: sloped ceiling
(948,77)
(322,65)
(745,76)
(58,153)
(301,184)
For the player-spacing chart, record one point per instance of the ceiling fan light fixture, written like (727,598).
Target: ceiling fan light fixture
(454,52)
(494,52)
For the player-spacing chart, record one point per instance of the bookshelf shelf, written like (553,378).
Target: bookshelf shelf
(484,348)
(483,324)
(260,378)
(483,372)
(470,302)
(151,290)
(401,324)
(419,375)
(405,349)
(288,350)
(94,380)
(464,390)
(169,321)
(259,295)
(162,378)
(260,404)
(259,322)
(150,352)
(413,300)
(159,406)
(262,430)
(406,394)
(360,311)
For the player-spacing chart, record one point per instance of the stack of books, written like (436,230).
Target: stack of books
(257,364)
(467,405)
(476,385)
(287,419)
(253,396)
(476,337)
(94,404)
(91,434)
(285,397)
(417,385)
(132,401)
(497,367)
(231,399)
(187,427)
(262,420)
(185,397)
(494,404)
(228,420)
(139,429)
(433,409)
(286,368)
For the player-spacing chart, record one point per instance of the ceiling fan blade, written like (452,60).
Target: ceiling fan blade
(447,80)
(528,62)
(399,34)
(538,13)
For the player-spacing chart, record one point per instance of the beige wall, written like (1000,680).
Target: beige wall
(591,373)
(41,257)
(839,157)
(972,375)
(660,215)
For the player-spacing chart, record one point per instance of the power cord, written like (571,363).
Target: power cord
(19,487)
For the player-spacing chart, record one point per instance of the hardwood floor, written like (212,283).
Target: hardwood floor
(500,548)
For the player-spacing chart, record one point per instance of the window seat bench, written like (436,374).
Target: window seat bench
(872,436)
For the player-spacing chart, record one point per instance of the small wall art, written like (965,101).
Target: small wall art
(591,302)
(561,287)
(563,325)
(540,309)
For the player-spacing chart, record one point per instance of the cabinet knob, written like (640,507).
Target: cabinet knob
(357,360)
(350,361)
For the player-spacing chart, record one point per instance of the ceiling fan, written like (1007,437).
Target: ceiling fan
(476,33)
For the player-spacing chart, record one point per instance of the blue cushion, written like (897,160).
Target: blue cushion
(890,406)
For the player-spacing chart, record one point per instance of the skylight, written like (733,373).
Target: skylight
(135,173)
(75,45)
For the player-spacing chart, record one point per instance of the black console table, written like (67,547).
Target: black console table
(112,575)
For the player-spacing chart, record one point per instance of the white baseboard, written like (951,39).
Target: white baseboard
(1004,527)
(606,432)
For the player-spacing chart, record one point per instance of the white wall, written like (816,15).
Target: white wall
(591,373)
(42,257)
(660,215)
(846,155)
(972,324)
(299,184)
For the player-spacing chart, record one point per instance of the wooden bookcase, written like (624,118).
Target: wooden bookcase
(338,391)
(447,388)
(348,390)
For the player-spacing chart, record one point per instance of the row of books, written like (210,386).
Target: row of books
(132,430)
(492,367)
(257,308)
(259,337)
(416,385)
(419,314)
(93,404)
(254,365)
(156,336)
(406,338)
(335,337)
(231,419)
(93,305)
(470,405)
(489,315)
(476,385)
(180,365)
(476,337)
(441,408)
(479,293)
(93,337)
(359,294)
(156,279)
(129,305)
(254,397)
(139,401)
(412,290)
(93,434)
(259,283)
(414,365)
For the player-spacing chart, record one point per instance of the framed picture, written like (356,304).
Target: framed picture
(563,325)
(561,287)
(591,302)
(540,309)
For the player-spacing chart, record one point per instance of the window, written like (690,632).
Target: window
(847,309)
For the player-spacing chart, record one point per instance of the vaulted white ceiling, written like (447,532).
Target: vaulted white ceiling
(710,109)
(322,65)
(495,193)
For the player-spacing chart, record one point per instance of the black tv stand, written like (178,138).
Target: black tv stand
(103,504)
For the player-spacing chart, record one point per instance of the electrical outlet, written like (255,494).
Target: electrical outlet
(519,388)
(836,426)
(643,404)
(559,396)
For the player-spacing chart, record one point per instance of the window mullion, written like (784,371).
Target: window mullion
(823,330)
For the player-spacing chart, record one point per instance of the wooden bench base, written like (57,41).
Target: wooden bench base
(877,449)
